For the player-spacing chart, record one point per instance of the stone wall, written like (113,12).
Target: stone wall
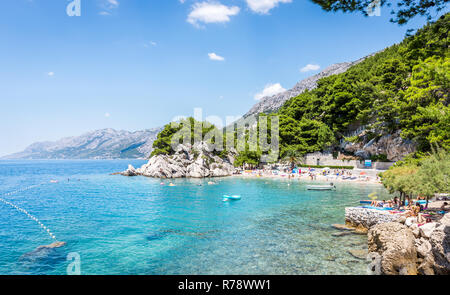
(364,217)
(327,159)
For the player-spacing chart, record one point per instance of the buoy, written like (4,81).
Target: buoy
(25,212)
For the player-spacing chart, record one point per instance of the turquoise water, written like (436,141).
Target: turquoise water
(122,225)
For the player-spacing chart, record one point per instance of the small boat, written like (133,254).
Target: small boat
(321,187)
(231,198)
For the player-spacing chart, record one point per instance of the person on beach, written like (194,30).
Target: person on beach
(396,204)
(413,211)
(444,207)
(406,202)
(389,204)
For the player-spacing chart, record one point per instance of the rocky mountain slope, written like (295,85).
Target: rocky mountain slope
(273,103)
(99,144)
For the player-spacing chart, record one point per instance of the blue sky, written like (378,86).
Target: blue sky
(133,64)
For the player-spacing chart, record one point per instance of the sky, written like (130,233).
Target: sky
(133,64)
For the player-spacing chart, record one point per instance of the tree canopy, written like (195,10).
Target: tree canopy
(402,88)
(402,10)
(425,177)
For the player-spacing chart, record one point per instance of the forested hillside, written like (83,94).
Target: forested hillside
(405,87)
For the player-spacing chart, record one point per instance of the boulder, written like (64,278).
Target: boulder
(427,229)
(423,247)
(415,230)
(445,220)
(426,267)
(440,245)
(357,253)
(395,244)
(410,221)
(343,227)
(131,171)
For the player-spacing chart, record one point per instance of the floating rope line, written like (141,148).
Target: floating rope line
(23,189)
(21,210)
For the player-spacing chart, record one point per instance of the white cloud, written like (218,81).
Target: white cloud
(270,90)
(113,3)
(264,6)
(211,12)
(108,6)
(309,67)
(50,74)
(213,56)
(107,115)
(151,43)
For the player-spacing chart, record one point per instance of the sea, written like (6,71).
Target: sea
(115,225)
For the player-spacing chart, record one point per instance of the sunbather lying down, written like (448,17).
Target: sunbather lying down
(416,211)
(382,204)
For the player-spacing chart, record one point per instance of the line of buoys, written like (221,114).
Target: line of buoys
(23,189)
(21,210)
(30,216)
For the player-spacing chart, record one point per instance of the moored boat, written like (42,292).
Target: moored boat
(231,198)
(329,187)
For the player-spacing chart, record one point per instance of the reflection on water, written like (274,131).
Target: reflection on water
(135,225)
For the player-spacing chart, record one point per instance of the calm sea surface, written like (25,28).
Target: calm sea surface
(122,225)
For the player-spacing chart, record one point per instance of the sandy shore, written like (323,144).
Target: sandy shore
(319,178)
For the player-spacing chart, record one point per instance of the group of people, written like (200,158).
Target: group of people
(409,207)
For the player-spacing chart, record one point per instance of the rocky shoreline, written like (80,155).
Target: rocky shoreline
(399,246)
(198,161)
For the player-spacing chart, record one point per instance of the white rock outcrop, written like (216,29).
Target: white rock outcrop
(198,161)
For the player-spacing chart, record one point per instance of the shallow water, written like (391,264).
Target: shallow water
(122,225)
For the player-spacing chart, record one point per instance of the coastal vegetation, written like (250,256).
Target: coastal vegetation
(424,177)
(186,130)
(402,88)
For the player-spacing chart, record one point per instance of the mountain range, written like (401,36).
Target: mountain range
(99,144)
(114,144)
(270,104)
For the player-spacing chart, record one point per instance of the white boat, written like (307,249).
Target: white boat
(321,187)
(231,198)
